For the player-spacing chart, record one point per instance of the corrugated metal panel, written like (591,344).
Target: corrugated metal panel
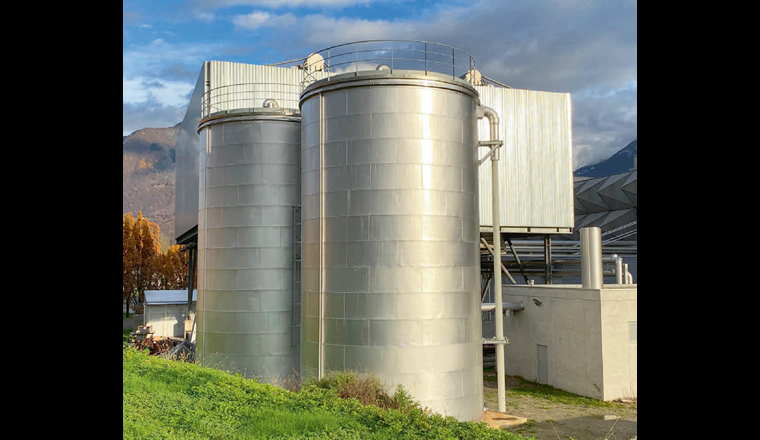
(237,85)
(233,85)
(535,170)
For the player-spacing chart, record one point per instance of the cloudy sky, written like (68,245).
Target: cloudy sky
(587,48)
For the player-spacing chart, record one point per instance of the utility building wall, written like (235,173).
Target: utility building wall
(536,165)
(580,340)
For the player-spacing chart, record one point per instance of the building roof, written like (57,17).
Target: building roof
(156,297)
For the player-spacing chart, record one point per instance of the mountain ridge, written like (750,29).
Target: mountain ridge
(148,170)
(619,162)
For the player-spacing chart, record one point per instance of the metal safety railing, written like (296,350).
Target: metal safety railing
(250,95)
(422,56)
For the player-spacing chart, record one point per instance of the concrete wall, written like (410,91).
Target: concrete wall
(586,333)
(619,343)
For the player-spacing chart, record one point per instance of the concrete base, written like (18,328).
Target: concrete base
(497,419)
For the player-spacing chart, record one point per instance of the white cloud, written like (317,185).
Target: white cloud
(327,30)
(585,47)
(275,4)
(142,89)
(150,102)
(156,55)
(153,92)
(261,19)
(149,115)
(204,15)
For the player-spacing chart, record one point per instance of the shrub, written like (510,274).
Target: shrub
(365,388)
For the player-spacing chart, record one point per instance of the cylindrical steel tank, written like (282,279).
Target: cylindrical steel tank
(249,186)
(390,234)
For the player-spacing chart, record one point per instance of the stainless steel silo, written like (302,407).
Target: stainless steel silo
(390,229)
(249,186)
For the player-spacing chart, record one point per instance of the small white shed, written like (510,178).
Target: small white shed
(165,310)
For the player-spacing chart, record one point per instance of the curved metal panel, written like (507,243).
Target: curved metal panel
(390,253)
(249,183)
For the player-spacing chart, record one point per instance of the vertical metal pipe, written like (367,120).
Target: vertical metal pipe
(499,315)
(618,269)
(627,275)
(591,257)
(191,255)
(321,345)
(493,120)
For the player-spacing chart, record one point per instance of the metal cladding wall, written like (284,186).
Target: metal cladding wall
(536,166)
(186,172)
(223,86)
(249,184)
(390,235)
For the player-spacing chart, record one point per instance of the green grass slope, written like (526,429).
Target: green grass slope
(165,399)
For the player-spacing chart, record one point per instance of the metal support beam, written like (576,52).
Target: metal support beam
(503,267)
(192,252)
(517,259)
(486,287)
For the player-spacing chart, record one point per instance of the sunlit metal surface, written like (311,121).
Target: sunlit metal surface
(536,166)
(225,86)
(249,183)
(422,57)
(390,235)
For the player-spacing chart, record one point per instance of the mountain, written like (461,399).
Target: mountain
(619,162)
(148,165)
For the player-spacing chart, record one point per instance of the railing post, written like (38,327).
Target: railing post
(425,58)
(453,64)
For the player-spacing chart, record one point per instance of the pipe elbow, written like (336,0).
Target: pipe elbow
(489,113)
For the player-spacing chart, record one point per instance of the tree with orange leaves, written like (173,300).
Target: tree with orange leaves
(144,266)
(140,259)
(172,269)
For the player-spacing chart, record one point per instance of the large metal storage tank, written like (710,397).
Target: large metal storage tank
(249,190)
(390,234)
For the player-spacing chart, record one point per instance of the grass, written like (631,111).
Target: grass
(554,395)
(163,399)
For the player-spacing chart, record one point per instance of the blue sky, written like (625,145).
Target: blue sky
(587,48)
